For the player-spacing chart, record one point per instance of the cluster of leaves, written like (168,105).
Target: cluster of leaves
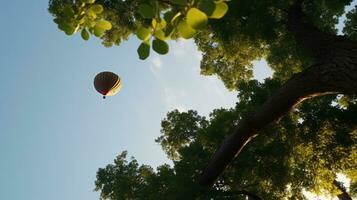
(305,150)
(328,12)
(81,15)
(155,21)
(187,124)
(258,30)
(230,39)
(182,20)
(351,24)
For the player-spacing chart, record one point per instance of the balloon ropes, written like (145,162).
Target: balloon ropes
(107,83)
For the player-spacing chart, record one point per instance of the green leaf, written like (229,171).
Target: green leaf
(169,15)
(98,32)
(185,30)
(220,10)
(104,25)
(85,34)
(158,24)
(97,8)
(67,28)
(91,14)
(146,11)
(87,1)
(160,34)
(207,6)
(343,102)
(179,2)
(100,27)
(144,50)
(168,31)
(68,12)
(143,33)
(58,21)
(160,46)
(82,20)
(196,19)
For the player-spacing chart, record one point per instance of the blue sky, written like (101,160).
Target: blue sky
(56,131)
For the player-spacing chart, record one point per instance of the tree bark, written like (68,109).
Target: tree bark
(230,195)
(250,195)
(335,72)
(344,195)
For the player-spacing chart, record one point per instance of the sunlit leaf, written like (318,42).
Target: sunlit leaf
(158,24)
(98,32)
(185,30)
(97,8)
(100,28)
(196,19)
(82,20)
(160,34)
(103,25)
(220,10)
(143,33)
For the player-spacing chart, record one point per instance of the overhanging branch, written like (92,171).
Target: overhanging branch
(302,86)
(336,72)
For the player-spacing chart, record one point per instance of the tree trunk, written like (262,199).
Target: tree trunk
(335,72)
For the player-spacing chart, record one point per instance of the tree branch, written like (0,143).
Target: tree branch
(321,45)
(344,195)
(336,72)
(302,86)
(246,193)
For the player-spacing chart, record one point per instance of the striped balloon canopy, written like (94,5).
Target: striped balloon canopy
(107,83)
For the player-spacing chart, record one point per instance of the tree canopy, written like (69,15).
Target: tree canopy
(310,147)
(230,41)
(306,149)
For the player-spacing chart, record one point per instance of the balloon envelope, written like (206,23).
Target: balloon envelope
(107,83)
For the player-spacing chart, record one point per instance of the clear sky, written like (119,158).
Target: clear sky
(56,131)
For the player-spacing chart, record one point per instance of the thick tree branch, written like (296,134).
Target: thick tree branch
(336,72)
(321,79)
(302,86)
(230,194)
(321,45)
(250,195)
(344,195)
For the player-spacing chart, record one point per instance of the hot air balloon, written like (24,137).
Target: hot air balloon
(107,83)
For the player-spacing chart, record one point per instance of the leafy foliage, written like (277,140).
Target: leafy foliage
(152,21)
(308,148)
(351,24)
(230,34)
